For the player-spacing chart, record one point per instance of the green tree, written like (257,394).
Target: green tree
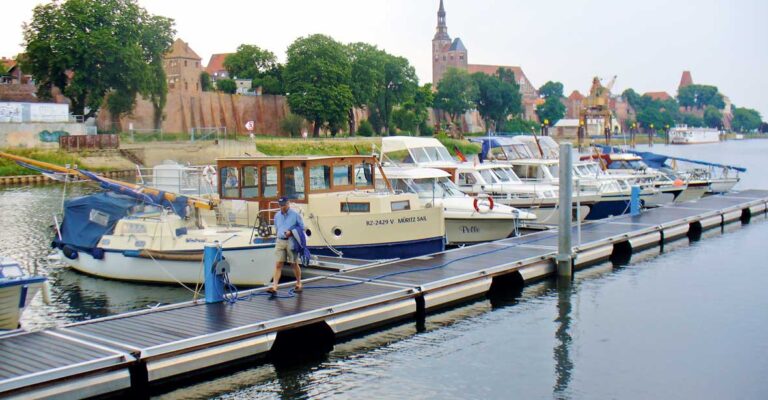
(317,77)
(519,125)
(456,94)
(551,89)
(271,82)
(700,96)
(367,76)
(419,105)
(88,48)
(745,120)
(249,62)
(226,85)
(692,120)
(713,118)
(365,129)
(292,124)
(399,85)
(258,65)
(205,82)
(656,117)
(553,108)
(497,98)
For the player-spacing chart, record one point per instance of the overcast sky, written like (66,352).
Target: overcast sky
(647,43)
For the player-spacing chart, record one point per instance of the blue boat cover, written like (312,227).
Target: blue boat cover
(179,205)
(88,218)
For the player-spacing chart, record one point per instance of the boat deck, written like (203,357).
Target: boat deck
(132,351)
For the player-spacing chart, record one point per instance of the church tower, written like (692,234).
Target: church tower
(445,53)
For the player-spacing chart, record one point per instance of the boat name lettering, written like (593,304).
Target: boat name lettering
(469,229)
(193,240)
(393,221)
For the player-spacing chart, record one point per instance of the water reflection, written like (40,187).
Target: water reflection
(563,362)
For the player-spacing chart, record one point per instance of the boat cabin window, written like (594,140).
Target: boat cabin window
(320,177)
(527,172)
(230,182)
(467,178)
(341,175)
(293,182)
(356,207)
(269,180)
(363,175)
(506,175)
(401,205)
(250,182)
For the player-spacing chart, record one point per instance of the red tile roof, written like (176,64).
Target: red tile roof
(8,63)
(658,95)
(216,63)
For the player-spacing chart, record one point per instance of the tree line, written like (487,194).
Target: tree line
(691,101)
(109,52)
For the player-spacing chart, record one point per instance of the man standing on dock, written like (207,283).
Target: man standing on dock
(285,221)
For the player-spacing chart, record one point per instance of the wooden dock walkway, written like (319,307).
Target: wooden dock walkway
(132,351)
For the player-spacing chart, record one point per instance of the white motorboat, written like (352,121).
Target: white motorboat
(503,186)
(467,219)
(16,291)
(343,211)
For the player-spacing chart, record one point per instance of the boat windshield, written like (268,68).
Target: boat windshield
(488,176)
(431,154)
(506,175)
(627,164)
(517,152)
(429,187)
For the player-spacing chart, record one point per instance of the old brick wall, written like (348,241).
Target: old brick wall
(184,111)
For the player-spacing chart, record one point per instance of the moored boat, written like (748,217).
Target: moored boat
(17,289)
(689,135)
(467,220)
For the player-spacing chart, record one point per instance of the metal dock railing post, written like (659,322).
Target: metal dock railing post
(564,248)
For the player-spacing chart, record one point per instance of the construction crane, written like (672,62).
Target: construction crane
(596,106)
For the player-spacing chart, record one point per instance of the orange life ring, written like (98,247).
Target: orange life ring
(477,201)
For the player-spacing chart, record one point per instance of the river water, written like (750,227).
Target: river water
(690,323)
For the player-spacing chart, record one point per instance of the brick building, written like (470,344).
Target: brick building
(448,53)
(182,68)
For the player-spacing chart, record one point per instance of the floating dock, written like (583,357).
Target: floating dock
(134,351)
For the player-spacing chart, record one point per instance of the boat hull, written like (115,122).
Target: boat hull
(691,193)
(382,251)
(14,297)
(460,231)
(250,266)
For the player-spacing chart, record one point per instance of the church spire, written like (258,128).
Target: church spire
(442,28)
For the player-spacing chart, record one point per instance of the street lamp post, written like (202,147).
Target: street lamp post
(650,137)
(666,138)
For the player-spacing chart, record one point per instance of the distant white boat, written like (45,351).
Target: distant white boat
(16,291)
(689,135)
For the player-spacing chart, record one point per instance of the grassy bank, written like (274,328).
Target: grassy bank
(273,146)
(10,168)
